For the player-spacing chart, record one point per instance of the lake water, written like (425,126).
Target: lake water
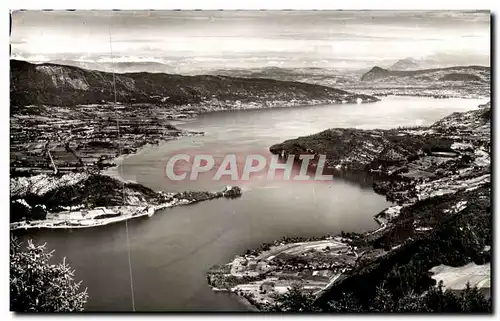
(171,251)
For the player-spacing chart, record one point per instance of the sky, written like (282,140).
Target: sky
(197,41)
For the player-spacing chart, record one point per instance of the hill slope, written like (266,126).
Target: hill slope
(477,73)
(458,81)
(52,84)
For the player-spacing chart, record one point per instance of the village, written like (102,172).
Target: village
(96,216)
(259,277)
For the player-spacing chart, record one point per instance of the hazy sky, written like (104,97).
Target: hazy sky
(200,40)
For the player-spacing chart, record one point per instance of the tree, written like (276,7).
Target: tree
(37,286)
(347,303)
(472,300)
(383,300)
(469,300)
(411,302)
(18,211)
(38,213)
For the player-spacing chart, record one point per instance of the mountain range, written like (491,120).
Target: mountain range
(54,84)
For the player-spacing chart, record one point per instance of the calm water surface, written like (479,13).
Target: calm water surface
(172,250)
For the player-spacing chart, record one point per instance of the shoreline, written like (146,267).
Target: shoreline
(46,224)
(251,292)
(379,96)
(113,171)
(245,302)
(278,106)
(137,211)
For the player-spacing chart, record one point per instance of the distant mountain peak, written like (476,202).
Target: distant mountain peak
(406,64)
(375,72)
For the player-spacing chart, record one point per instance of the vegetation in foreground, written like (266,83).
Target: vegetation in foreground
(36,285)
(435,299)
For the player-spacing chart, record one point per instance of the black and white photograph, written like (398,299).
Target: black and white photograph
(269,161)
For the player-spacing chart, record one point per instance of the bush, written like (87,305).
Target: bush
(37,286)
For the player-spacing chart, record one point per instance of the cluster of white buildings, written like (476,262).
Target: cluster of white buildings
(82,214)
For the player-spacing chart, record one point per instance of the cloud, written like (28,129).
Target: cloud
(201,39)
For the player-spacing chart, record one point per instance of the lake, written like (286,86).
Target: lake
(171,251)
